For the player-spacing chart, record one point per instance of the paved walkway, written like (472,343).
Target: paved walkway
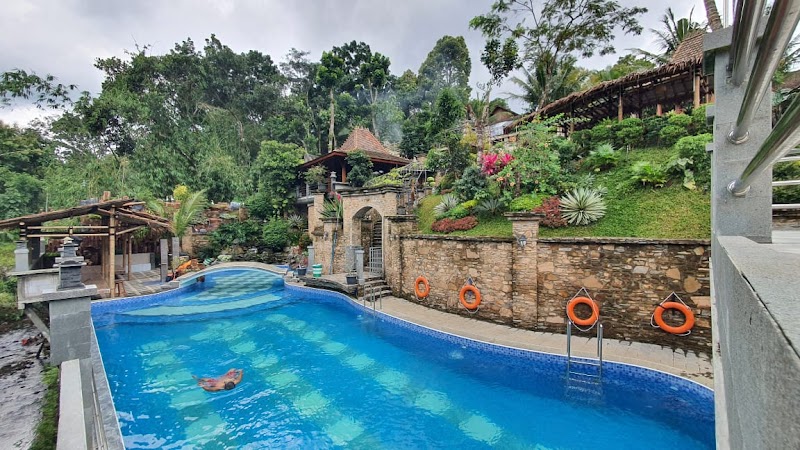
(688,365)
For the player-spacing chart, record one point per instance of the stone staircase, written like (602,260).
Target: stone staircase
(374,288)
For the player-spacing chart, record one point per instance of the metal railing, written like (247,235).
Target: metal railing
(745,32)
(599,349)
(782,140)
(781,24)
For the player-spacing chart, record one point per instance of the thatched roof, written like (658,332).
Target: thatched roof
(667,84)
(120,208)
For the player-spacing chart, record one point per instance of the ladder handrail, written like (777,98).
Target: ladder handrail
(599,346)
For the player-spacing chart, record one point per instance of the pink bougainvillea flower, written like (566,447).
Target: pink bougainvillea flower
(506,158)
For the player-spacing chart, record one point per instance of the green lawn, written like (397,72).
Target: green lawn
(632,211)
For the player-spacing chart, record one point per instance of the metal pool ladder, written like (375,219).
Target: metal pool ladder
(584,374)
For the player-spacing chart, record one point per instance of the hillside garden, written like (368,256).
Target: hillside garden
(635,178)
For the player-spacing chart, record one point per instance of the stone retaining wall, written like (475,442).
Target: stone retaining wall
(628,278)
(529,286)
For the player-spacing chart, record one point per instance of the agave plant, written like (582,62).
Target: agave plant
(296,221)
(332,209)
(583,206)
(490,207)
(448,202)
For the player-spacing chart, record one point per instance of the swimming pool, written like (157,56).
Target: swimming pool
(320,371)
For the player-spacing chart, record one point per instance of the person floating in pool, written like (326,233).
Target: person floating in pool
(225,382)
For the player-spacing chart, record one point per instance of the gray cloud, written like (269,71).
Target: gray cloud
(65,37)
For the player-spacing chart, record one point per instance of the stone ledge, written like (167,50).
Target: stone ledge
(440,237)
(624,240)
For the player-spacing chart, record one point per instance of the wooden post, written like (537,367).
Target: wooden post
(620,112)
(112,242)
(124,253)
(659,110)
(130,253)
(696,90)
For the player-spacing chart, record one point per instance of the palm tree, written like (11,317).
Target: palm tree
(712,15)
(537,91)
(180,218)
(675,32)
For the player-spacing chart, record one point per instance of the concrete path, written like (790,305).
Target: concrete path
(685,364)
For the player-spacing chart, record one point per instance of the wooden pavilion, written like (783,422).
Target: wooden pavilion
(681,80)
(118,220)
(359,139)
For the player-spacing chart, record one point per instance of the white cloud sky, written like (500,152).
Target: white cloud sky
(65,37)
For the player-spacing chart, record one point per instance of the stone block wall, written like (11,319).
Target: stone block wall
(628,278)
(529,286)
(447,262)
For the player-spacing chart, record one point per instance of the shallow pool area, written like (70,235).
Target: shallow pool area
(322,371)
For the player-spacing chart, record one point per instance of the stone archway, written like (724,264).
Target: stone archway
(366,233)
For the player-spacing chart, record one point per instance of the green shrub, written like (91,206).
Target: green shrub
(699,121)
(605,132)
(457,212)
(276,234)
(670,134)
(246,233)
(469,204)
(315,175)
(525,203)
(360,168)
(568,150)
(694,149)
(630,132)
(582,138)
(471,181)
(652,129)
(648,173)
(304,241)
(679,120)
(602,158)
(786,171)
(582,206)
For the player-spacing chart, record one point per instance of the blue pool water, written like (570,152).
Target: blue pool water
(321,371)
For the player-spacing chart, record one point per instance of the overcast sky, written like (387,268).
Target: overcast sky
(64,37)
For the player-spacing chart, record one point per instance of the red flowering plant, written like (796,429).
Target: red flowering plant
(492,163)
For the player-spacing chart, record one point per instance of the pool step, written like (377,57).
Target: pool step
(373,289)
(183,310)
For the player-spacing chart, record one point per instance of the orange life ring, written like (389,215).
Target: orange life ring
(422,293)
(585,301)
(659,312)
(463,299)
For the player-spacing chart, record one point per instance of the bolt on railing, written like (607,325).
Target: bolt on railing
(782,140)
(780,27)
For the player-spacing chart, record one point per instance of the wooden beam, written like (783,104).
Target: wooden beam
(130,230)
(130,253)
(63,235)
(112,242)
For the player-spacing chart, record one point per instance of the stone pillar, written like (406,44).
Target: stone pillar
(71,323)
(360,265)
(750,215)
(163,247)
(21,256)
(176,252)
(397,226)
(332,244)
(310,249)
(524,272)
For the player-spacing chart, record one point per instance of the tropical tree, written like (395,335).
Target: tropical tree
(538,91)
(181,216)
(360,168)
(674,31)
(520,32)
(447,66)
(275,175)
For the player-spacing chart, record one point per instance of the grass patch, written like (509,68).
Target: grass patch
(47,430)
(671,212)
(7,256)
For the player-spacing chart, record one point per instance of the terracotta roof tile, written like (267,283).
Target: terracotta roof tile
(362,139)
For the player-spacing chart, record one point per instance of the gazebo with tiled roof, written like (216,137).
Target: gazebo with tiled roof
(360,139)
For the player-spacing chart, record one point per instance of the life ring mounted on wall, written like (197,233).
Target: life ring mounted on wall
(679,305)
(426,287)
(587,322)
(472,306)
